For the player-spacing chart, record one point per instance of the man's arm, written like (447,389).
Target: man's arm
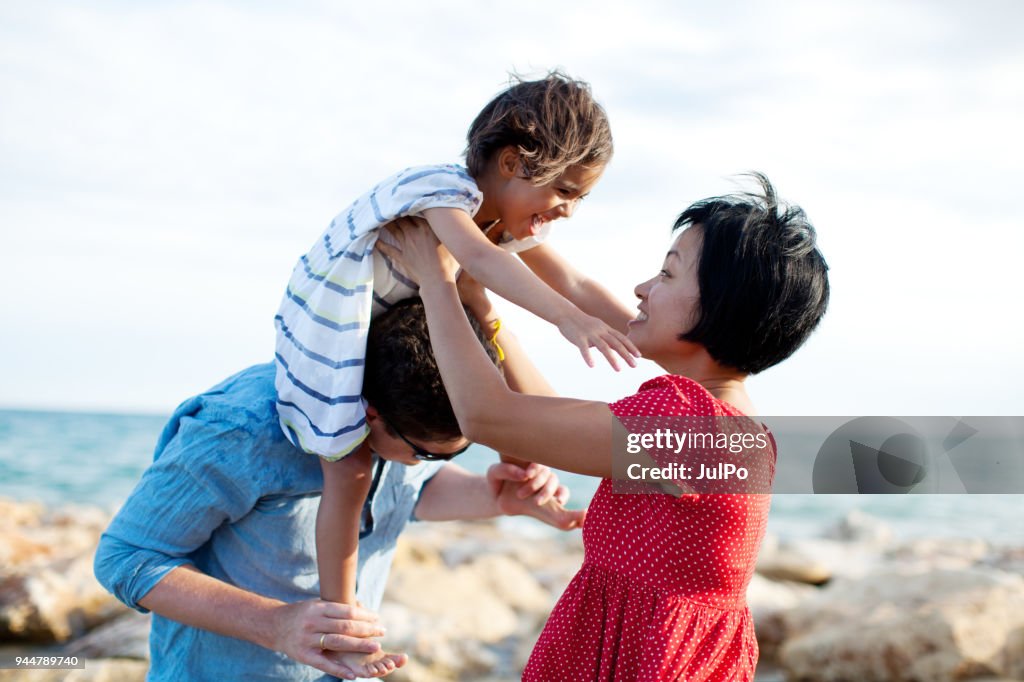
(188,596)
(454,494)
(191,489)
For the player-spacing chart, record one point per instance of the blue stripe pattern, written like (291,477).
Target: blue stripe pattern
(316,357)
(400,276)
(333,286)
(315,429)
(334,255)
(439,193)
(433,171)
(330,324)
(327,400)
(321,324)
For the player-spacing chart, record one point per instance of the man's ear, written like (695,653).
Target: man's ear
(372,414)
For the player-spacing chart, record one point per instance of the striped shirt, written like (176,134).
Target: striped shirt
(324,316)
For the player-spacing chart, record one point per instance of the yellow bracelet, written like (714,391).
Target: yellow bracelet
(494,340)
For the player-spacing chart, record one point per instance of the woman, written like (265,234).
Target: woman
(661,593)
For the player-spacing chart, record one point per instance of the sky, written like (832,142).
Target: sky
(163,165)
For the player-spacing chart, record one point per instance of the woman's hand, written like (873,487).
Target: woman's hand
(419,251)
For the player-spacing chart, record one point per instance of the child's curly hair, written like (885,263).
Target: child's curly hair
(554,122)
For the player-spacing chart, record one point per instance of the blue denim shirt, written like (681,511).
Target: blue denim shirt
(229,494)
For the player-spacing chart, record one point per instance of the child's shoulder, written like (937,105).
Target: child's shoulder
(417,188)
(436,174)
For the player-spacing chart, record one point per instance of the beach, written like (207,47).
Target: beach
(853,603)
(882,587)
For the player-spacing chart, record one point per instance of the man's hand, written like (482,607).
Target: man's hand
(301,628)
(532,491)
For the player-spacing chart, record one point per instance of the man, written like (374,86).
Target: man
(217,539)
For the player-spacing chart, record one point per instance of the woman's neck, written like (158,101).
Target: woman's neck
(724,383)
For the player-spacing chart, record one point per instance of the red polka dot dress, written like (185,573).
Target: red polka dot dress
(661,594)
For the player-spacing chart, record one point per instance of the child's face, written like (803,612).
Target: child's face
(525,208)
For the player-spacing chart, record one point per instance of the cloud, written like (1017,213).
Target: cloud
(164,165)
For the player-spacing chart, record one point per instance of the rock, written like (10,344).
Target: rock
(836,558)
(469,614)
(769,600)
(98,670)
(55,602)
(862,528)
(124,637)
(906,625)
(459,600)
(47,589)
(511,583)
(1009,559)
(949,554)
(793,565)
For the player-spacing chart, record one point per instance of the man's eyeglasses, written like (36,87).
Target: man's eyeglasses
(425,455)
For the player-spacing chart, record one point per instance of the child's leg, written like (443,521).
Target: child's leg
(346,485)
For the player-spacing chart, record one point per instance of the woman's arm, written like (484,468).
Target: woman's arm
(504,274)
(588,295)
(572,435)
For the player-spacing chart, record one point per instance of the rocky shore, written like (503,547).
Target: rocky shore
(467,600)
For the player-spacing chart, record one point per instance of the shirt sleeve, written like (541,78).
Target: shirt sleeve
(185,495)
(416,189)
(658,397)
(324,317)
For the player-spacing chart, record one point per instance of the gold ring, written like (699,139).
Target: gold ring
(322,647)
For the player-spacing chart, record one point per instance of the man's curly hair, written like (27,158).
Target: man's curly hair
(402,380)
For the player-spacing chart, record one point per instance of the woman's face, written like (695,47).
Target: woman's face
(669,302)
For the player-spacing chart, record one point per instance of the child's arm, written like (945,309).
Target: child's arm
(505,275)
(588,295)
(346,485)
(520,373)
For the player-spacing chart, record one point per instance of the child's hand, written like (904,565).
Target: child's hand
(419,251)
(585,331)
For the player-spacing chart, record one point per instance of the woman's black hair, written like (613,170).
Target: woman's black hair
(763,282)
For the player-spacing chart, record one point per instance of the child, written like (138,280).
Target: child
(533,153)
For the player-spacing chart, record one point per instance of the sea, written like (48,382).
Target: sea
(61,458)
